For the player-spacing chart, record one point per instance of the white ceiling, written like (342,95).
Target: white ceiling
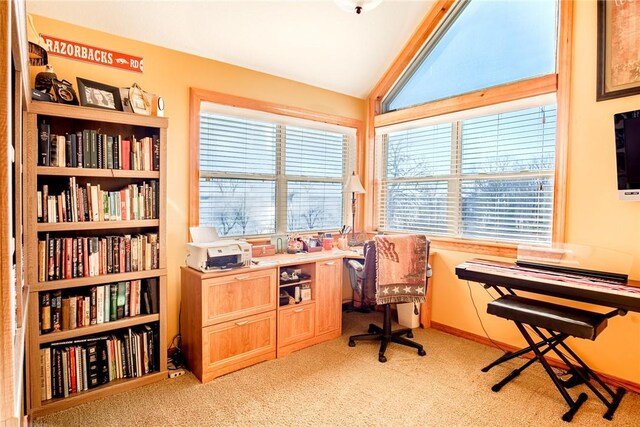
(310,41)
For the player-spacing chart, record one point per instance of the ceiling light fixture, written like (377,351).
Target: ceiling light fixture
(358,6)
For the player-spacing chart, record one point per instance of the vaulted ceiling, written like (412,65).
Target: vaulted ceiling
(310,41)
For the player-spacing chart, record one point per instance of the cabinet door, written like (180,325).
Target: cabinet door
(233,345)
(238,295)
(328,287)
(295,324)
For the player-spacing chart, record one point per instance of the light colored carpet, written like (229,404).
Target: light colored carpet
(332,384)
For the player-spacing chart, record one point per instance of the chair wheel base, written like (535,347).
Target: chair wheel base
(421,352)
(382,359)
(352,343)
(410,334)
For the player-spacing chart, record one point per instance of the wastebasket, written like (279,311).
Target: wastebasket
(407,316)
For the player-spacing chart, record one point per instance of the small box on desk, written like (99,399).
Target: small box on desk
(263,250)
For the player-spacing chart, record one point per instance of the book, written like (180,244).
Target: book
(113,302)
(94,305)
(56,310)
(66,313)
(68,157)
(93,368)
(99,304)
(107,303)
(94,148)
(156,152)
(47,362)
(65,373)
(86,148)
(80,311)
(45,312)
(73,312)
(79,150)
(121,300)
(44,144)
(73,386)
(86,306)
(99,151)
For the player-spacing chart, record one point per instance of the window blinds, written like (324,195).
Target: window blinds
(489,177)
(263,173)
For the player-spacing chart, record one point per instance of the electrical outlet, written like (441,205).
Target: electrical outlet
(176,373)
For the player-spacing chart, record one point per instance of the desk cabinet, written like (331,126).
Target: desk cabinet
(329,297)
(232,319)
(296,324)
(228,321)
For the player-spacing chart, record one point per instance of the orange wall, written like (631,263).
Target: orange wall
(170,74)
(595,216)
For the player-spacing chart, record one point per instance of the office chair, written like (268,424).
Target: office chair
(357,277)
(396,272)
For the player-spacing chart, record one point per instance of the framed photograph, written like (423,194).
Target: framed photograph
(618,49)
(98,95)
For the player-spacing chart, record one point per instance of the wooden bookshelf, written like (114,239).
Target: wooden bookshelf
(14,87)
(98,225)
(68,119)
(96,280)
(97,173)
(97,329)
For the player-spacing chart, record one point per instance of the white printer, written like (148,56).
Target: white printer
(209,253)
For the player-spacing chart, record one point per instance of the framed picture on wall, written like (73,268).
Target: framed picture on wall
(98,95)
(618,49)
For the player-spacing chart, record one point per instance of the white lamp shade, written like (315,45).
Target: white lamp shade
(354,185)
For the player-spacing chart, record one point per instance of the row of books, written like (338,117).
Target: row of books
(62,258)
(62,311)
(69,367)
(91,149)
(91,203)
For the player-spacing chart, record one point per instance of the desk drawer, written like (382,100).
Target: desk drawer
(295,324)
(238,296)
(233,345)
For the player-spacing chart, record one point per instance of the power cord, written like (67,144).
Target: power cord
(175,358)
(495,344)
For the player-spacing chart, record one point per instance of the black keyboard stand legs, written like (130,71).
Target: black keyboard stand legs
(581,374)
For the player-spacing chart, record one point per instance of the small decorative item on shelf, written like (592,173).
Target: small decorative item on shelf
(294,245)
(139,101)
(286,278)
(305,292)
(98,95)
(64,92)
(327,242)
(312,244)
(44,79)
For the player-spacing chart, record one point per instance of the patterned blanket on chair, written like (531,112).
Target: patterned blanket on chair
(401,268)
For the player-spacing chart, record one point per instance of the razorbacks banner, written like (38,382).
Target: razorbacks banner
(92,54)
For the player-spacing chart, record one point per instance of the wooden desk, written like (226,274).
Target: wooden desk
(232,319)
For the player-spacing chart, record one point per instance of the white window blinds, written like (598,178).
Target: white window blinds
(262,173)
(487,177)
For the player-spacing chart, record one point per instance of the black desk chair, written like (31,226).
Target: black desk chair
(395,271)
(357,278)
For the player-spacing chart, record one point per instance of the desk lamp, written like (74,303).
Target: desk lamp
(353,186)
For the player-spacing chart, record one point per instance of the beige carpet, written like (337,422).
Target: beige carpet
(332,384)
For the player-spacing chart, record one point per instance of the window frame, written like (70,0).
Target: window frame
(558,82)
(198,96)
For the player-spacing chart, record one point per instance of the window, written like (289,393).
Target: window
(480,44)
(263,173)
(486,177)
(455,162)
